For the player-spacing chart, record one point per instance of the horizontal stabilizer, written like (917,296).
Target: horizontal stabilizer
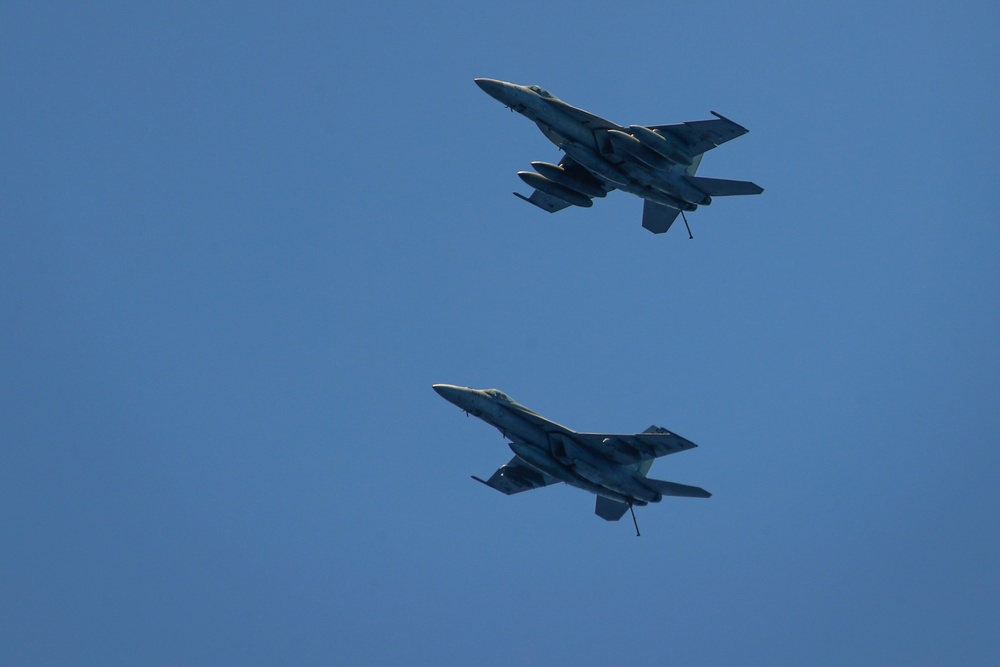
(675,489)
(610,510)
(720,187)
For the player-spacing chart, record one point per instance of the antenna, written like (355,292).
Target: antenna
(633,519)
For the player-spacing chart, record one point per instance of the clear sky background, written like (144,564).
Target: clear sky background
(238,243)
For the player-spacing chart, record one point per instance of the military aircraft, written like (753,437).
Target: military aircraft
(655,162)
(610,465)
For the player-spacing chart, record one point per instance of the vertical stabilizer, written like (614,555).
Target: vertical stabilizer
(657,218)
(610,510)
(694,164)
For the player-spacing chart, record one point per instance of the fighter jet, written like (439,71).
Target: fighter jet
(610,465)
(655,162)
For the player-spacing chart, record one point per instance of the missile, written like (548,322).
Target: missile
(629,145)
(558,191)
(665,145)
(555,173)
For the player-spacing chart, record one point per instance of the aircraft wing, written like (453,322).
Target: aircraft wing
(544,201)
(517,476)
(631,449)
(703,135)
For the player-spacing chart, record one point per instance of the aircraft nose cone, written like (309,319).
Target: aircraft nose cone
(491,87)
(448,392)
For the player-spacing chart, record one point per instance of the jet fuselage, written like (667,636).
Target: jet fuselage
(609,151)
(551,448)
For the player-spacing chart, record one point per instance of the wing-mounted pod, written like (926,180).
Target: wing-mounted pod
(634,449)
(581,183)
(626,144)
(666,146)
(555,189)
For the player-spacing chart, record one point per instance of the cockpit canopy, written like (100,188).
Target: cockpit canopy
(541,91)
(499,395)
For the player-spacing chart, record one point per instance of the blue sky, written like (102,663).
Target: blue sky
(240,243)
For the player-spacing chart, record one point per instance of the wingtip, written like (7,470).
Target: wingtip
(729,120)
